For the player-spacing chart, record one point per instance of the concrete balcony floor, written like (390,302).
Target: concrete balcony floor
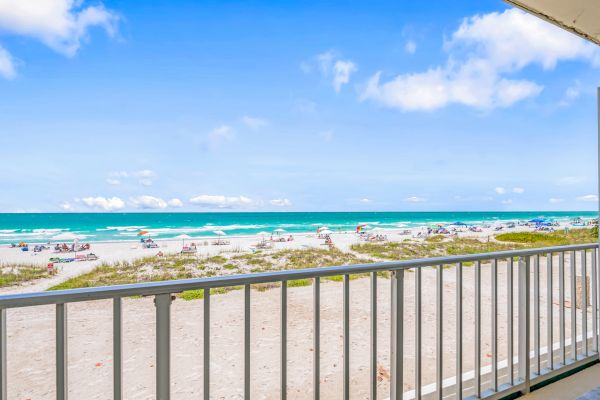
(574,387)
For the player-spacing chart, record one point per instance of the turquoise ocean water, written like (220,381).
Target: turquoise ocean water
(42,227)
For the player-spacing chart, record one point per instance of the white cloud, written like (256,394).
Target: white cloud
(146,182)
(60,24)
(500,190)
(555,200)
(7,65)
(507,201)
(223,133)
(221,201)
(144,173)
(66,206)
(341,73)
(280,202)
(148,202)
(415,199)
(103,203)
(483,52)
(330,64)
(254,123)
(364,201)
(119,174)
(410,47)
(518,190)
(113,181)
(175,203)
(588,197)
(572,93)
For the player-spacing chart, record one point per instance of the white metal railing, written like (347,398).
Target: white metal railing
(534,364)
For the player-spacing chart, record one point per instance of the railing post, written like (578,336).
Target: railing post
(397,356)
(163,346)
(117,349)
(62,386)
(524,291)
(3,372)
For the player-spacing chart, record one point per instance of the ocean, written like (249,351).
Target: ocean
(42,227)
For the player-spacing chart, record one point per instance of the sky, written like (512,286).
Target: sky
(293,106)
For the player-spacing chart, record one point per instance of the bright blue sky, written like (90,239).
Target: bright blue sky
(266,106)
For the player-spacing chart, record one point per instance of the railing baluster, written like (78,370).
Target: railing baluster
(536,313)
(561,313)
(584,303)
(206,343)
(524,331)
(283,340)
(495,325)
(373,353)
(573,308)
(418,341)
(440,331)
(594,301)
(247,342)
(3,371)
(117,349)
(163,346)
(62,385)
(478,329)
(549,316)
(346,391)
(459,328)
(397,345)
(317,339)
(509,325)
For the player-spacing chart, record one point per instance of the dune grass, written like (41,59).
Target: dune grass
(15,274)
(556,238)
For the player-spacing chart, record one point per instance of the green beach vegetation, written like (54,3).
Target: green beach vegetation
(178,266)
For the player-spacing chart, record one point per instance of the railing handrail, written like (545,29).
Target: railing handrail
(178,286)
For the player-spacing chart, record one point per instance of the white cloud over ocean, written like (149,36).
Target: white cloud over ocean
(221,201)
(483,55)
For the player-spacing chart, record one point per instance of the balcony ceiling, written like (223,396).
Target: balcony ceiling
(581,17)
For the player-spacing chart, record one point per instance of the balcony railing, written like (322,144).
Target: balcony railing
(569,341)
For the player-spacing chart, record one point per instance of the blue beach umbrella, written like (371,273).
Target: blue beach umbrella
(537,220)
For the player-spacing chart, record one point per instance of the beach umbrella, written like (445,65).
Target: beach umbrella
(219,233)
(182,237)
(143,233)
(279,231)
(459,223)
(263,234)
(537,220)
(326,232)
(322,228)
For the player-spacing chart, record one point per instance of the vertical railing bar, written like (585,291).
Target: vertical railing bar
(561,313)
(509,325)
(397,333)
(440,331)
(373,350)
(549,308)
(478,328)
(206,343)
(573,307)
(317,339)
(346,389)
(459,327)
(3,372)
(524,322)
(594,301)
(163,346)
(584,302)
(247,342)
(418,342)
(284,340)
(536,313)
(495,324)
(117,349)
(62,389)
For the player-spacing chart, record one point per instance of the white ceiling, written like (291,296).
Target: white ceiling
(581,17)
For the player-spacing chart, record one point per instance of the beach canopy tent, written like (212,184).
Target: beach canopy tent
(537,221)
(459,223)
(581,17)
(65,236)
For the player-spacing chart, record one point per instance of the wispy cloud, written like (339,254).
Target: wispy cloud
(7,64)
(148,202)
(333,67)
(280,202)
(410,47)
(220,135)
(221,201)
(555,200)
(254,123)
(518,190)
(588,197)
(500,190)
(415,199)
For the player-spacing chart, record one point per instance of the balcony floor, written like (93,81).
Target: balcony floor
(572,387)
